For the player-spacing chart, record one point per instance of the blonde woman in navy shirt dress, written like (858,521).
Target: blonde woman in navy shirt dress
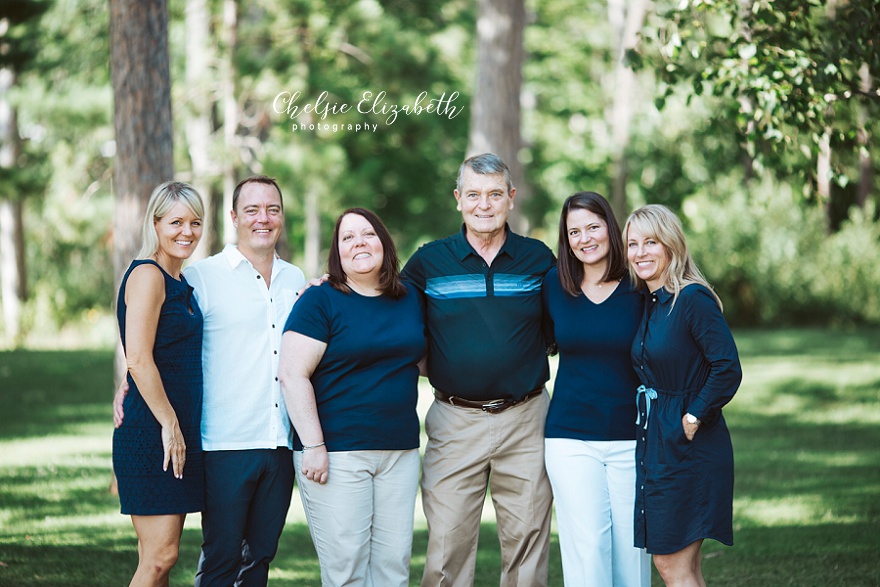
(689,369)
(590,433)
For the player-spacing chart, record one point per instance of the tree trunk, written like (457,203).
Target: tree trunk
(495,106)
(12,268)
(199,59)
(747,107)
(823,160)
(312,248)
(13,290)
(139,72)
(863,191)
(230,115)
(626,20)
(823,176)
(746,103)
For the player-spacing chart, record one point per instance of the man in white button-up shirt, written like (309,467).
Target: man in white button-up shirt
(245,293)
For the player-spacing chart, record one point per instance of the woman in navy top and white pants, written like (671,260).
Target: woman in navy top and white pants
(689,369)
(590,433)
(350,365)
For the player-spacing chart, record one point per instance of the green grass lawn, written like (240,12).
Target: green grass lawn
(806,428)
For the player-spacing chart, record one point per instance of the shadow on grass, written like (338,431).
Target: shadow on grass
(817,555)
(44,392)
(61,560)
(296,556)
(809,342)
(86,557)
(837,464)
(805,556)
(32,494)
(814,395)
(807,512)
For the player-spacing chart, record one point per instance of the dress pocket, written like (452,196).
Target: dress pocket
(674,445)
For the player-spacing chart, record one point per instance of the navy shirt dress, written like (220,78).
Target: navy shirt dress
(687,362)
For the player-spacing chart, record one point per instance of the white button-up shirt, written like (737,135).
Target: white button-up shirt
(243,407)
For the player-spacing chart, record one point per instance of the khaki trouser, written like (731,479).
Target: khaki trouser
(469,450)
(361,520)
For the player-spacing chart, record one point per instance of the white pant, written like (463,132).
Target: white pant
(361,520)
(594,485)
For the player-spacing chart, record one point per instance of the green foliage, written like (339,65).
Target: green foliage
(69,229)
(63,102)
(792,72)
(743,96)
(72,271)
(18,37)
(565,100)
(400,169)
(29,178)
(74,37)
(772,260)
(848,275)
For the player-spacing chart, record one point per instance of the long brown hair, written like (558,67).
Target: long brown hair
(571,269)
(389,274)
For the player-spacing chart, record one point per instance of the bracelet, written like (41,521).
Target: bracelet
(310,447)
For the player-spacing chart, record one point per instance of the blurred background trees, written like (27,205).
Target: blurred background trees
(755,120)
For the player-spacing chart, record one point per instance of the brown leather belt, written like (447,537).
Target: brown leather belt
(492,406)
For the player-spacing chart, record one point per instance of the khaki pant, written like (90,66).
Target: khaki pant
(361,520)
(469,450)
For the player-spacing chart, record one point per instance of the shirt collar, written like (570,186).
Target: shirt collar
(233,256)
(663,295)
(463,248)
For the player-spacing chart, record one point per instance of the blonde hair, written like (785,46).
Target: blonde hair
(661,224)
(163,198)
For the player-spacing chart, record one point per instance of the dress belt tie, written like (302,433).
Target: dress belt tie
(650,393)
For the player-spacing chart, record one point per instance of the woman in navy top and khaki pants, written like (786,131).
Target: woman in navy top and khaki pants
(349,370)
(689,369)
(590,433)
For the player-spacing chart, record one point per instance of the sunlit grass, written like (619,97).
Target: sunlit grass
(805,427)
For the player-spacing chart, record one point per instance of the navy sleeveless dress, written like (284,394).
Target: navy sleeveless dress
(144,488)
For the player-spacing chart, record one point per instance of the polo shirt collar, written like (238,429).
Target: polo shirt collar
(463,248)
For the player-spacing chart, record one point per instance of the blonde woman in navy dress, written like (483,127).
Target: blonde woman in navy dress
(157,451)
(688,365)
(590,433)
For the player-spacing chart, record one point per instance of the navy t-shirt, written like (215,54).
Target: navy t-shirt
(594,396)
(366,384)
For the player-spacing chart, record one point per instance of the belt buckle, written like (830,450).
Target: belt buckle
(495,406)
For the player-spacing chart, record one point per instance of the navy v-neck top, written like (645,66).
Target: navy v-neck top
(595,388)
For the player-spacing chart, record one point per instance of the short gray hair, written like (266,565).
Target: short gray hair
(485,164)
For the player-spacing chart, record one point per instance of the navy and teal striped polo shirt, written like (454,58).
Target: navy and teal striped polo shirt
(484,322)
